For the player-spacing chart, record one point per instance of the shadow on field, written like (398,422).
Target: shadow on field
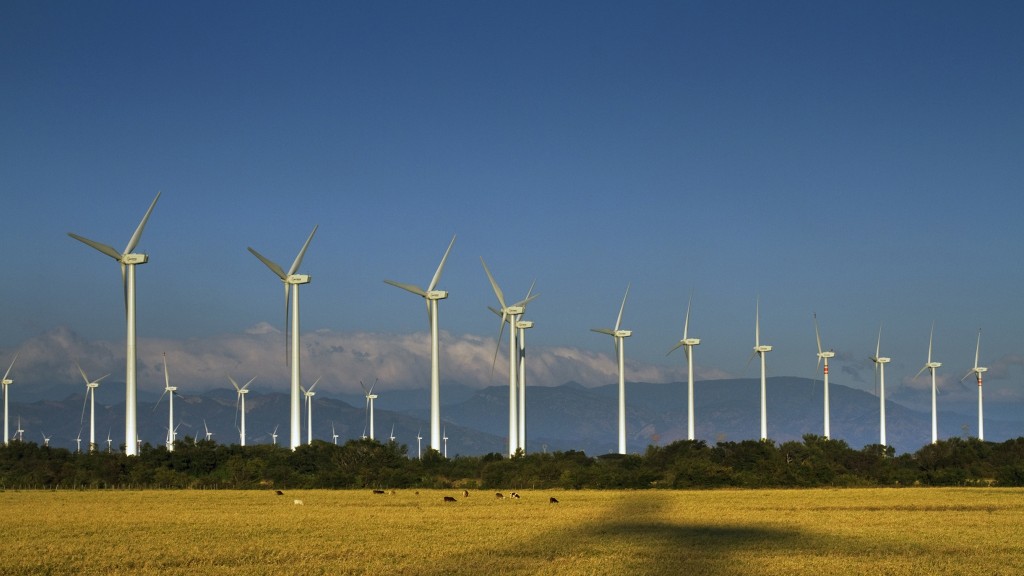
(632,541)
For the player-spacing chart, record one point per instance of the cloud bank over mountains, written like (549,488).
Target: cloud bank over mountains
(398,361)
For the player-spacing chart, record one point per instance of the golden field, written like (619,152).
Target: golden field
(824,531)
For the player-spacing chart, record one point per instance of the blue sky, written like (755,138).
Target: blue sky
(858,160)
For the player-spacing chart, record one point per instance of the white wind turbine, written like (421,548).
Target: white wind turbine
(445,441)
(619,337)
(370,397)
(128,261)
(823,356)
(334,434)
(931,366)
(432,296)
(419,444)
(510,314)
(6,381)
(240,403)
(109,441)
(46,440)
(207,430)
(760,350)
(978,371)
(90,394)
(687,344)
(292,278)
(170,392)
(273,435)
(392,436)
(880,363)
(78,440)
(309,408)
(20,433)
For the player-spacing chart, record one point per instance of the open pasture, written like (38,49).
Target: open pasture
(847,531)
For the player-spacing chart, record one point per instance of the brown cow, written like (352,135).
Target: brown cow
(450,499)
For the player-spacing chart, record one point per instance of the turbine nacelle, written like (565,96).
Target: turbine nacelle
(689,341)
(133,259)
(933,365)
(243,391)
(762,349)
(524,324)
(829,354)
(880,359)
(436,294)
(6,381)
(297,279)
(622,333)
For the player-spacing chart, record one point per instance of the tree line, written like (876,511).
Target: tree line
(814,462)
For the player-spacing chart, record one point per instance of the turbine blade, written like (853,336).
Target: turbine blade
(747,365)
(930,335)
(100,378)
(269,263)
(440,268)
(161,399)
(408,287)
(249,382)
(686,323)
(80,371)
(674,348)
(497,346)
(607,331)
(287,322)
(494,285)
(977,350)
(298,259)
(363,386)
(923,368)
(878,345)
(235,384)
(526,300)
(622,307)
(124,288)
(315,382)
(108,250)
(167,376)
(374,384)
(818,336)
(8,373)
(757,324)
(134,241)
(85,402)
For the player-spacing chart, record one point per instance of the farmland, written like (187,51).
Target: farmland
(866,531)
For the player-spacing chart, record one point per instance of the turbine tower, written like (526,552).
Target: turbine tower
(510,315)
(823,356)
(432,296)
(308,398)
(760,350)
(619,337)
(6,381)
(292,278)
(169,391)
(880,363)
(240,402)
(419,444)
(978,371)
(90,394)
(523,326)
(931,366)
(370,397)
(128,261)
(687,344)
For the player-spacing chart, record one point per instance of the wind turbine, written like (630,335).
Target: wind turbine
(824,356)
(619,337)
(169,391)
(292,278)
(78,440)
(511,315)
(46,440)
(309,408)
(207,430)
(445,441)
(273,435)
(392,437)
(240,401)
(978,371)
(419,445)
(432,296)
(109,441)
(931,366)
(687,344)
(6,381)
(334,434)
(128,261)
(760,350)
(370,397)
(880,363)
(90,393)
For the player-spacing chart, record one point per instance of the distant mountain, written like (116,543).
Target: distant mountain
(566,417)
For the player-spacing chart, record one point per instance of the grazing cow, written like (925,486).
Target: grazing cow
(465,493)
(378,491)
(391,492)
(553,500)
(499,496)
(514,495)
(298,502)
(449,499)
(278,492)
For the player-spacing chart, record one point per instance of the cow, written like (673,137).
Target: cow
(378,491)
(298,502)
(449,499)
(553,500)
(278,492)
(514,495)
(465,493)
(499,496)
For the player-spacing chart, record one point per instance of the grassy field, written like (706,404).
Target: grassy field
(848,531)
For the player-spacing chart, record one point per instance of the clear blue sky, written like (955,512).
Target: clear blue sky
(860,160)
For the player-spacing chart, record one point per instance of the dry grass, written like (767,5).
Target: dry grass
(871,531)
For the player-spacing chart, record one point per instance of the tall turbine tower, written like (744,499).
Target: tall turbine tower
(240,402)
(619,337)
(128,261)
(523,326)
(90,394)
(169,391)
(6,381)
(760,350)
(978,371)
(687,344)
(880,363)
(370,397)
(432,296)
(824,356)
(931,366)
(308,394)
(509,314)
(292,278)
